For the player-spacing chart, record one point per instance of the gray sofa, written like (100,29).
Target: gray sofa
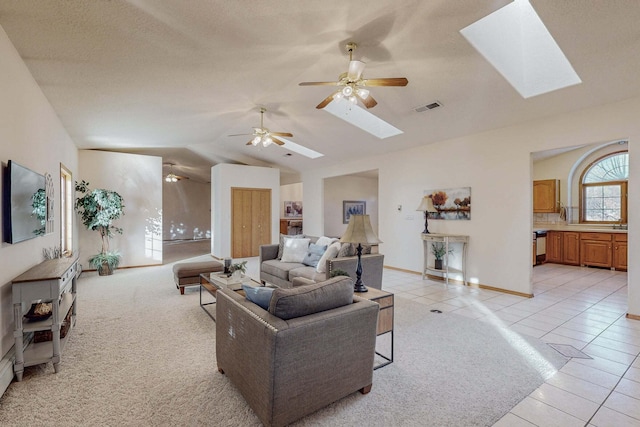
(286,369)
(281,274)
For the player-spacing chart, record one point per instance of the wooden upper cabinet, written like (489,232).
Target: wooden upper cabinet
(546,196)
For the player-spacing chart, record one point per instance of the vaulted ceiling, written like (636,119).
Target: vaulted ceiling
(175,78)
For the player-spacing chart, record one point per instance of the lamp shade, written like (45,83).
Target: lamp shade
(359,230)
(426,205)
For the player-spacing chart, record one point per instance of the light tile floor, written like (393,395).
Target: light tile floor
(579,306)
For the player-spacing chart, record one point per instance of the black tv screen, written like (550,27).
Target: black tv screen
(24,204)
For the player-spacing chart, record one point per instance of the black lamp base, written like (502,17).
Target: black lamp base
(426,223)
(358,286)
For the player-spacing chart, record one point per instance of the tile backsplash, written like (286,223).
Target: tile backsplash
(554,218)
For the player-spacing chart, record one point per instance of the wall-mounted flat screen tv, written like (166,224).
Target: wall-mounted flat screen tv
(24,204)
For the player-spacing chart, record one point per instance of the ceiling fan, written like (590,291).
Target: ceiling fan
(353,86)
(172,177)
(264,136)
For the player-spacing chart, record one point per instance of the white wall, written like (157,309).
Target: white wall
(138,179)
(341,188)
(497,167)
(223,178)
(31,135)
(186,210)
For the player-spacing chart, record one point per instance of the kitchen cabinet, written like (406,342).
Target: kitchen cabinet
(571,248)
(554,246)
(620,252)
(596,249)
(546,196)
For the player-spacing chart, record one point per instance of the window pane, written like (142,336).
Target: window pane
(612,168)
(603,203)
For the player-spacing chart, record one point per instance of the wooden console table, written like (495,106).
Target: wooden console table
(50,281)
(446,239)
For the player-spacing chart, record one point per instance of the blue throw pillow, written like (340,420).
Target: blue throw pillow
(260,295)
(314,254)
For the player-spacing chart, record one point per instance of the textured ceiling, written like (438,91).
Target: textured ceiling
(174,78)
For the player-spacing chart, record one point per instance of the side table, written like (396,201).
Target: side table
(211,282)
(385,318)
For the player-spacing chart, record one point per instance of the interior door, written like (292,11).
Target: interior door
(250,221)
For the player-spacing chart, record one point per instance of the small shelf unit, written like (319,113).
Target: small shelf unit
(52,281)
(447,271)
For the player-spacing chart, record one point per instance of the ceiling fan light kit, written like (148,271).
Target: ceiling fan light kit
(353,84)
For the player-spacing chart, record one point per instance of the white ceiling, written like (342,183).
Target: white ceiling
(175,77)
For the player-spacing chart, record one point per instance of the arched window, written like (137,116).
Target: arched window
(604,190)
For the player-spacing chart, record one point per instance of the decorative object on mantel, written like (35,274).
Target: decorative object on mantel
(439,250)
(452,203)
(426,206)
(352,207)
(98,209)
(360,231)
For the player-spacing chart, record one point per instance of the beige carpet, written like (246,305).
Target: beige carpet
(143,355)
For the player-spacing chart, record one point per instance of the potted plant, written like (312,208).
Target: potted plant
(238,269)
(439,250)
(98,209)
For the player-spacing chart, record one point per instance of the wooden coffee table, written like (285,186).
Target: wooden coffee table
(211,282)
(385,318)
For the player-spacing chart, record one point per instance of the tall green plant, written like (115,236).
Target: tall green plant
(98,209)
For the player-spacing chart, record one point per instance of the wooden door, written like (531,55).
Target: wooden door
(595,253)
(620,252)
(554,246)
(260,219)
(250,221)
(546,196)
(571,248)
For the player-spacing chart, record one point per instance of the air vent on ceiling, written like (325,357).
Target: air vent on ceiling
(426,107)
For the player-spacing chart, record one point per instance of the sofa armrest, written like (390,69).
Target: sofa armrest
(268,252)
(372,267)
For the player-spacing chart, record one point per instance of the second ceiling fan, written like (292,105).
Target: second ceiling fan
(264,136)
(353,86)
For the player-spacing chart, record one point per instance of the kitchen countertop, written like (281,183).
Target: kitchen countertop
(578,227)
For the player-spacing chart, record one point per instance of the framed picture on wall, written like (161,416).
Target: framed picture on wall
(293,209)
(352,207)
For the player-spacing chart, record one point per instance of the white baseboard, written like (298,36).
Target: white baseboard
(6,370)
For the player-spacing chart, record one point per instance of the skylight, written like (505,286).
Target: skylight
(516,42)
(358,116)
(303,151)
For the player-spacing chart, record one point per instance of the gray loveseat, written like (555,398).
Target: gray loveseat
(286,369)
(281,274)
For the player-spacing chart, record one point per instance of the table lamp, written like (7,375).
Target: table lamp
(359,231)
(426,206)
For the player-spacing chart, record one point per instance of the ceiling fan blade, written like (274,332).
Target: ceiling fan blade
(318,84)
(393,81)
(276,140)
(355,70)
(325,102)
(250,142)
(287,134)
(240,134)
(368,102)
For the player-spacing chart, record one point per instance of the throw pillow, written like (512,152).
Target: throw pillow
(347,249)
(331,252)
(260,295)
(304,300)
(294,249)
(281,245)
(313,255)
